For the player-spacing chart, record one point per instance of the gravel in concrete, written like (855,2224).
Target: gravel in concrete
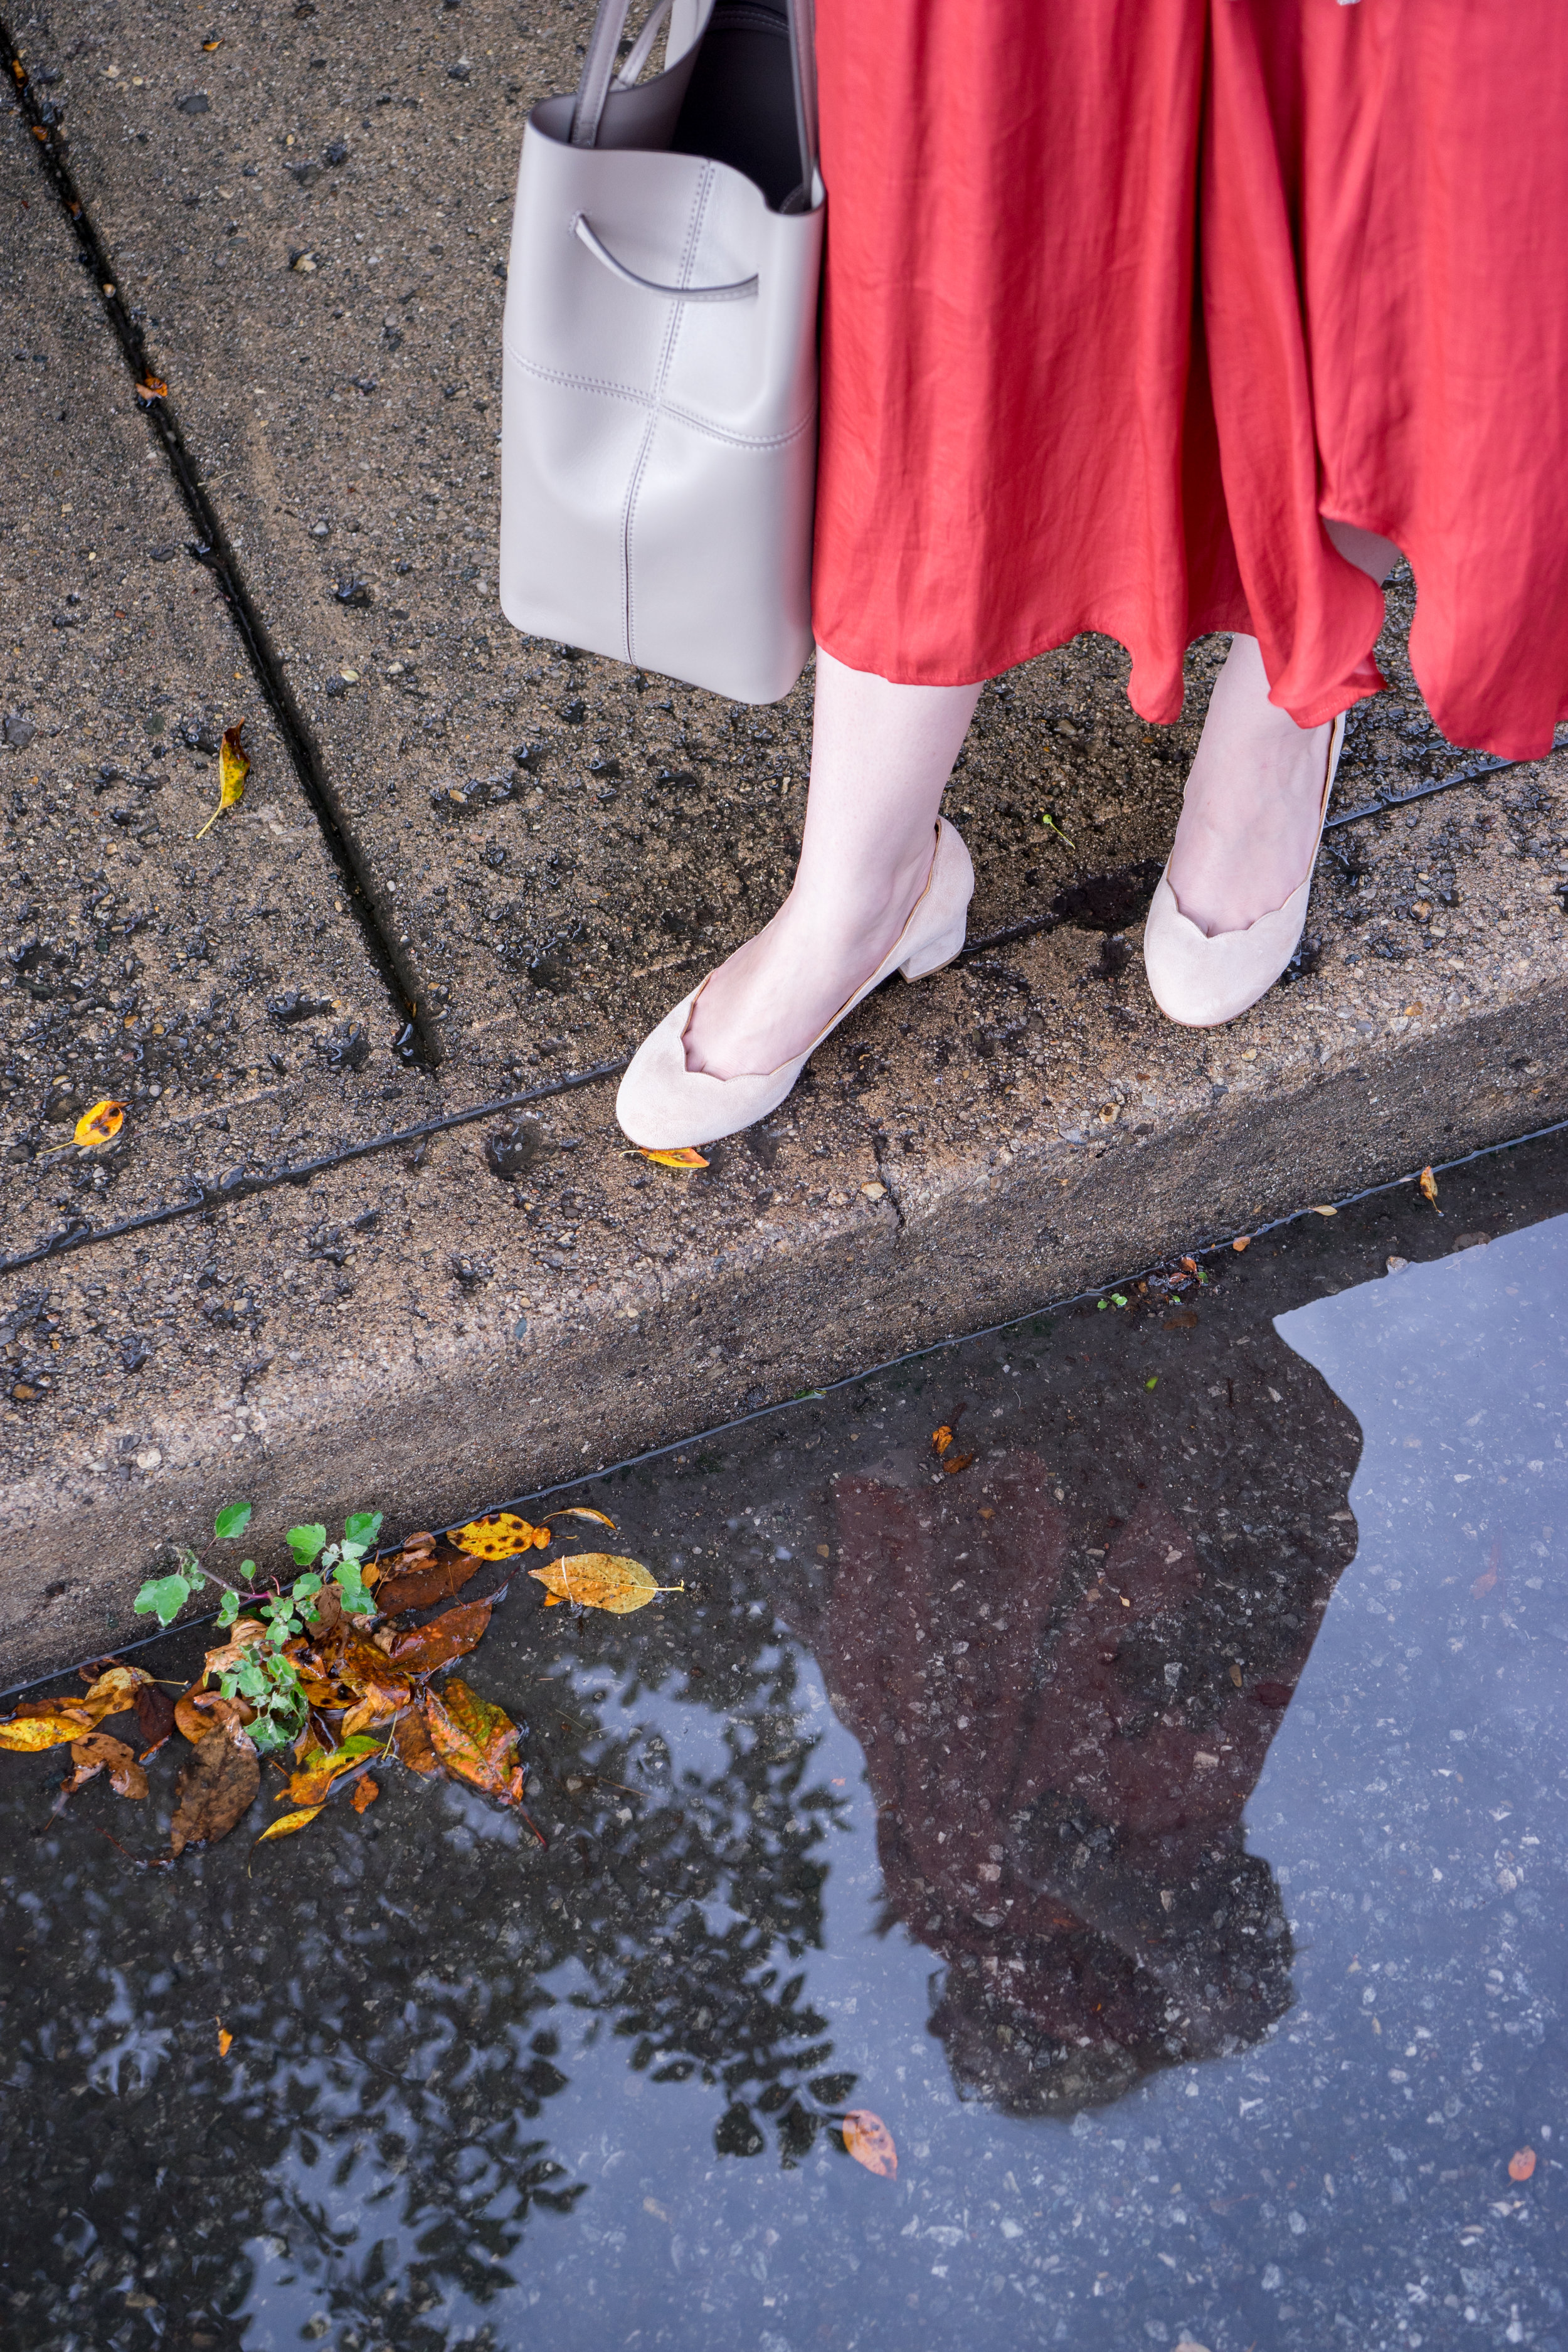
(219,986)
(959,1151)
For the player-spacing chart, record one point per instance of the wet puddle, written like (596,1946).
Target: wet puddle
(1158,1822)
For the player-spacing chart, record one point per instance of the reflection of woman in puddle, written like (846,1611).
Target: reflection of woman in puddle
(1060,1741)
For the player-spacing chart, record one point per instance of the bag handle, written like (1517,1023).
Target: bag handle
(599,75)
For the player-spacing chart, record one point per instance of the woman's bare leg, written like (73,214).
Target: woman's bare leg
(881,757)
(1250,815)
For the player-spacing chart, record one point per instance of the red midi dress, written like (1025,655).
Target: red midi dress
(1125,297)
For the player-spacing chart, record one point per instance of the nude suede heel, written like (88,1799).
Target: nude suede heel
(664,1106)
(1203,983)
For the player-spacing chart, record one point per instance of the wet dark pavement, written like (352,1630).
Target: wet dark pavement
(1158,1822)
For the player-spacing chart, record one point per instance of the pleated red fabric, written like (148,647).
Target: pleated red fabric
(1123,297)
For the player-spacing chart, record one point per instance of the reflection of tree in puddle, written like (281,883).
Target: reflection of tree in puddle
(1063,1714)
(381,2132)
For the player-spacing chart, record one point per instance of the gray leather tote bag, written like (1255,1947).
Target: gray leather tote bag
(658,429)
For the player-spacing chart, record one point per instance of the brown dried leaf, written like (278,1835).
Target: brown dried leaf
(954,1463)
(500,1536)
(870,2143)
(581,1511)
(421,1585)
(100,1753)
(365,1793)
(411,1743)
(1428,1186)
(601,1579)
(423,1648)
(154,1719)
(217,1783)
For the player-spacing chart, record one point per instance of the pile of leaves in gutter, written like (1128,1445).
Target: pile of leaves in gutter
(329,1678)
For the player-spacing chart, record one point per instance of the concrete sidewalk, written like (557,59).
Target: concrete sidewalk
(478,1313)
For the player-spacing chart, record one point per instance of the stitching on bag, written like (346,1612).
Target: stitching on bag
(667,359)
(646,400)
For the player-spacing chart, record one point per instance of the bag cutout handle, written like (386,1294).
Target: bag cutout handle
(583,229)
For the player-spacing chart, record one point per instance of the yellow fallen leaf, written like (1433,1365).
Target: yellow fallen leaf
(500,1536)
(940,1439)
(233,767)
(26,1735)
(581,1511)
(683,1159)
(1321,1209)
(225,2039)
(601,1579)
(286,1825)
(100,1124)
(1428,1186)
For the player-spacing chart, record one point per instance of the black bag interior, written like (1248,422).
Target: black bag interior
(739,105)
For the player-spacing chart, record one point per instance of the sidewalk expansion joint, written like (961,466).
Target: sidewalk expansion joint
(420,1040)
(243,1184)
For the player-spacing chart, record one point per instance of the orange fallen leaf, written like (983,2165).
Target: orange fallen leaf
(1242,1241)
(940,1439)
(1521,2164)
(601,1579)
(581,1511)
(1429,1187)
(365,1793)
(152,387)
(99,1752)
(225,2039)
(500,1536)
(476,1743)
(198,1712)
(954,1463)
(318,1766)
(683,1159)
(99,1125)
(870,2143)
